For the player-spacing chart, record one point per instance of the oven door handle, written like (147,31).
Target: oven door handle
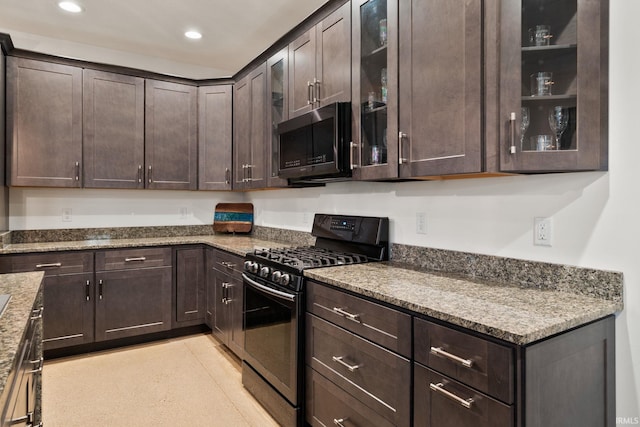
(273,292)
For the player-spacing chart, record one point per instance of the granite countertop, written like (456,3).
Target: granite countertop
(512,313)
(23,288)
(238,245)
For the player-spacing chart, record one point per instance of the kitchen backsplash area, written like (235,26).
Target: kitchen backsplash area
(601,284)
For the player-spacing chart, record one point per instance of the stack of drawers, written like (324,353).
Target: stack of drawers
(358,361)
(460,379)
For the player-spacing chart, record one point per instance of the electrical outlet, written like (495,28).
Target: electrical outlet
(66,214)
(421,223)
(184,212)
(542,231)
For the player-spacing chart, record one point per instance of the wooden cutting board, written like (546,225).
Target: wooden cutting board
(233,218)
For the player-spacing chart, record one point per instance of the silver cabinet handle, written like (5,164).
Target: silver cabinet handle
(140,258)
(339,421)
(53,264)
(87,288)
(439,388)
(401,159)
(352,146)
(37,314)
(512,131)
(28,419)
(316,90)
(346,314)
(139,173)
(438,351)
(228,264)
(100,285)
(309,91)
(340,360)
(227,176)
(40,363)
(77,171)
(150,177)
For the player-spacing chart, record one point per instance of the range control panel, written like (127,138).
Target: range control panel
(344,224)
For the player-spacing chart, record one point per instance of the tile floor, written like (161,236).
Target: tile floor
(186,381)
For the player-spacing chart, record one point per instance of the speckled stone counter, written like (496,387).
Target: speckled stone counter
(23,288)
(521,315)
(238,245)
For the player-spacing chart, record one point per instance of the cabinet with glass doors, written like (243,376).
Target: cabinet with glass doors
(553,85)
(278,111)
(374,89)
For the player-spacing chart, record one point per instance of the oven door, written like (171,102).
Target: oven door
(271,339)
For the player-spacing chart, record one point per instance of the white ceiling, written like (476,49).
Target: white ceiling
(149,34)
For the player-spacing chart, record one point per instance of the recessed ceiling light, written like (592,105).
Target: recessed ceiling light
(70,6)
(193,35)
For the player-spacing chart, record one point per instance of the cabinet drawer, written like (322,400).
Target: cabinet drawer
(382,325)
(374,375)
(474,361)
(54,263)
(225,262)
(440,401)
(133,258)
(328,405)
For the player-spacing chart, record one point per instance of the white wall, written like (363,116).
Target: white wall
(596,215)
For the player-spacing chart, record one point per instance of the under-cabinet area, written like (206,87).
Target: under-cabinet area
(467,88)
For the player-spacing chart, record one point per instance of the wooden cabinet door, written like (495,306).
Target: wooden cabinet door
(577,58)
(44,123)
(440,87)
(220,327)
(333,57)
(171,134)
(210,287)
(235,306)
(214,137)
(250,130)
(113,130)
(302,71)
(190,284)
(132,302)
(68,314)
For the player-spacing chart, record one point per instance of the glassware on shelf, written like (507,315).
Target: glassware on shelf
(383,32)
(542,142)
(558,121)
(541,83)
(540,35)
(383,83)
(524,124)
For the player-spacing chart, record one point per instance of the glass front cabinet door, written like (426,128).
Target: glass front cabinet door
(553,85)
(277,80)
(374,150)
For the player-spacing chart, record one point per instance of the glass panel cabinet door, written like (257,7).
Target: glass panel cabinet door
(553,85)
(277,81)
(375,82)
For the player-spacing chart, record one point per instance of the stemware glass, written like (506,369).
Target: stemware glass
(524,124)
(558,121)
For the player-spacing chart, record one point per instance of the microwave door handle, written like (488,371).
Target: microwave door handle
(352,146)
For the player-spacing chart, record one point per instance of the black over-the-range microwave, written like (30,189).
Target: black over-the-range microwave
(315,146)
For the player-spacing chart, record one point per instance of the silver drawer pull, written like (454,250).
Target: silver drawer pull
(339,422)
(40,363)
(228,264)
(140,258)
(438,351)
(351,368)
(37,314)
(341,312)
(440,389)
(53,264)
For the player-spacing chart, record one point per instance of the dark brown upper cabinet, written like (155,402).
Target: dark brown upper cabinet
(250,130)
(320,64)
(553,69)
(113,140)
(440,88)
(375,89)
(171,133)
(277,111)
(44,124)
(215,137)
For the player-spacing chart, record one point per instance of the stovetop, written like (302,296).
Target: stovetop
(303,257)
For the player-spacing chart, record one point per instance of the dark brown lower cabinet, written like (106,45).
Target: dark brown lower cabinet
(226,301)
(190,286)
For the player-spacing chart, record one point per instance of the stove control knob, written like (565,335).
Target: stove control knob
(276,276)
(264,272)
(251,266)
(285,279)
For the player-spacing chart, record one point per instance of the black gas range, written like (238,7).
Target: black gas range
(273,280)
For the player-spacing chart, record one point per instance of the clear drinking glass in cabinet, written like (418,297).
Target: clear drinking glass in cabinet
(549,74)
(373,82)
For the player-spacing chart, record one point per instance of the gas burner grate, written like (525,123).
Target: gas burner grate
(309,257)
